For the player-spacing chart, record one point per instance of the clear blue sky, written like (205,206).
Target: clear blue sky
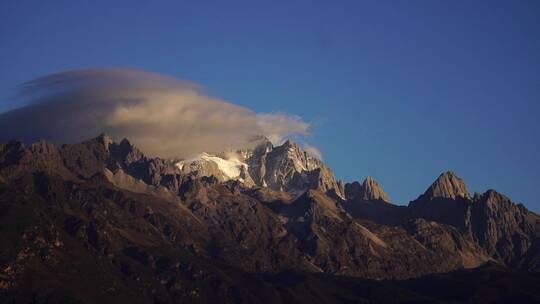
(400,90)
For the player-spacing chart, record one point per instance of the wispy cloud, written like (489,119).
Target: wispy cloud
(313,151)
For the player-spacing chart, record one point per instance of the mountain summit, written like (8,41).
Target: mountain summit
(447,185)
(369,190)
(285,167)
(372,191)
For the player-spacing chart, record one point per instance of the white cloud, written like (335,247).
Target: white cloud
(163,116)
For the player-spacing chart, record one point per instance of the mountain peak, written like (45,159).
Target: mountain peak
(372,191)
(290,144)
(493,196)
(104,139)
(369,180)
(447,185)
(369,190)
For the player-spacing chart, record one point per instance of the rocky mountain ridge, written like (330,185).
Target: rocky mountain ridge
(286,167)
(369,190)
(158,227)
(447,185)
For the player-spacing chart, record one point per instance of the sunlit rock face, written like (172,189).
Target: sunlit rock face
(447,185)
(285,167)
(369,190)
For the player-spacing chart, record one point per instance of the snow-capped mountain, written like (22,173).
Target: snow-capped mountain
(166,223)
(224,168)
(286,167)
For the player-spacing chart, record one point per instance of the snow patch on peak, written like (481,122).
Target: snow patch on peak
(231,167)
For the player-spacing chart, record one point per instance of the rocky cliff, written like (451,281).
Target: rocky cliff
(286,167)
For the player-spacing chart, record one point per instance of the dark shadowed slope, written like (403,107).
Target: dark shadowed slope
(101,222)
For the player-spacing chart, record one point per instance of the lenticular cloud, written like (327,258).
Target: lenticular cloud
(164,116)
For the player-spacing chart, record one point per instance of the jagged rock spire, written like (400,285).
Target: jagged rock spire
(369,190)
(372,191)
(447,185)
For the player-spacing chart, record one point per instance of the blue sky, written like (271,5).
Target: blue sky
(400,90)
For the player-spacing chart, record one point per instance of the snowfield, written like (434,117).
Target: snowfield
(231,168)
